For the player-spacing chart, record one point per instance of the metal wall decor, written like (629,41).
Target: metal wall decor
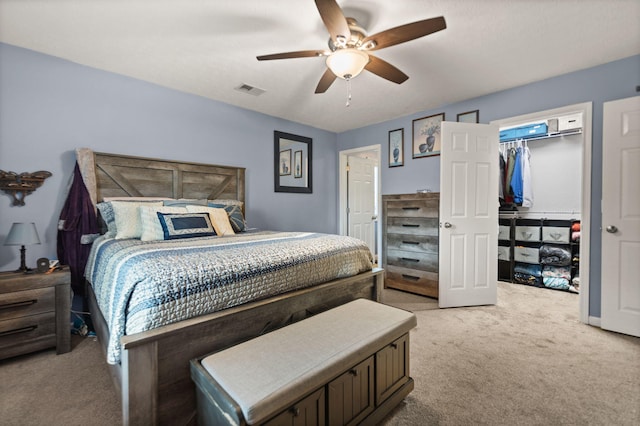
(20,185)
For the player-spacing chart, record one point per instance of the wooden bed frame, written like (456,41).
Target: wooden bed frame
(153,377)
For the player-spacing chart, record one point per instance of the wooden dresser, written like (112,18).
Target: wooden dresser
(34,312)
(410,242)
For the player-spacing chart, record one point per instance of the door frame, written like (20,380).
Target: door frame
(585,215)
(342,189)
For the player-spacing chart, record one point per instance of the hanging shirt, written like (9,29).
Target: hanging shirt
(527,189)
(503,166)
(511,160)
(516,178)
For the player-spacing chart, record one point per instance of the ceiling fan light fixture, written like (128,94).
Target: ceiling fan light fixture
(347,63)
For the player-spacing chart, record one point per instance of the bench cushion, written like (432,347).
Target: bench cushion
(268,374)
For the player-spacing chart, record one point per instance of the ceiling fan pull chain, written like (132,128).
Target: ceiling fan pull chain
(348,91)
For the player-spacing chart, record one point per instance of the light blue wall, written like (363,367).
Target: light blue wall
(49,107)
(600,84)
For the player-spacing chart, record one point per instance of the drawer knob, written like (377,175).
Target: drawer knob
(394,345)
(411,208)
(295,411)
(410,225)
(411,242)
(353,372)
(408,259)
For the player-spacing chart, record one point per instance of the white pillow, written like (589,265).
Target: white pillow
(127,215)
(219,219)
(151,226)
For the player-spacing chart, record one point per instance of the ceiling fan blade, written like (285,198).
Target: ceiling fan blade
(334,19)
(289,55)
(405,33)
(327,79)
(385,70)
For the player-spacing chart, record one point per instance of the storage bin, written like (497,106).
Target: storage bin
(531,130)
(555,234)
(504,253)
(504,232)
(570,122)
(526,254)
(528,233)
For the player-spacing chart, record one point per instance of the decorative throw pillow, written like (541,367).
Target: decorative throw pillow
(183,202)
(127,215)
(234,211)
(185,225)
(219,219)
(108,219)
(151,227)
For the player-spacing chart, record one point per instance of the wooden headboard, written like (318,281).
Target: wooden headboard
(126,176)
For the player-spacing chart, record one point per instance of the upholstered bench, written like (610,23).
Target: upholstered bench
(347,365)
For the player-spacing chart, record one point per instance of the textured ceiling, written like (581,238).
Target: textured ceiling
(209,47)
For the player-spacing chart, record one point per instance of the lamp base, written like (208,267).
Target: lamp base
(24,270)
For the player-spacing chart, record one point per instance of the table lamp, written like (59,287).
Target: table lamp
(22,234)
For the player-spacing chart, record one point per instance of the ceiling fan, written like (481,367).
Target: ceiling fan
(349,46)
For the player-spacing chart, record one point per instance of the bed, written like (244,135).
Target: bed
(150,367)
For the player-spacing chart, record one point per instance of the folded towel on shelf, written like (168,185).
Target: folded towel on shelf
(556,282)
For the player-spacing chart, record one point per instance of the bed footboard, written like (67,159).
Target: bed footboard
(154,377)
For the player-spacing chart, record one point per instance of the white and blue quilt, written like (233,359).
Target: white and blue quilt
(141,285)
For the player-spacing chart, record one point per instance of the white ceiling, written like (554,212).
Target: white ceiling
(209,47)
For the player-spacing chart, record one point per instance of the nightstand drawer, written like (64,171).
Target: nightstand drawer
(27,302)
(20,330)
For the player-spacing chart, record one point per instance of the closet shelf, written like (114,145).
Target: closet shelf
(547,136)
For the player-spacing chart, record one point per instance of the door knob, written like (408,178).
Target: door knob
(612,229)
(447,225)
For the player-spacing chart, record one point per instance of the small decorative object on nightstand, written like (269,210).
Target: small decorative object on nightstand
(34,312)
(22,234)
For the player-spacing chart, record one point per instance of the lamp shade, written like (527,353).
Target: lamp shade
(22,234)
(347,63)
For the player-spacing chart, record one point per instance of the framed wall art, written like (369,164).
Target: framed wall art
(292,163)
(469,117)
(396,148)
(426,135)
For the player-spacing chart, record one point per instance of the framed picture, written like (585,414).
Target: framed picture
(469,117)
(396,148)
(293,163)
(297,164)
(285,162)
(426,135)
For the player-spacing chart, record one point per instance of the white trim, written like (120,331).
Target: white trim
(586,109)
(595,321)
(342,188)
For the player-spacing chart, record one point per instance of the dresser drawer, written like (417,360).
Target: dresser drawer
(28,302)
(19,330)
(413,280)
(413,208)
(413,242)
(555,234)
(527,233)
(412,225)
(421,261)
(526,254)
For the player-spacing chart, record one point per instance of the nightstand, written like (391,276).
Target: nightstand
(34,312)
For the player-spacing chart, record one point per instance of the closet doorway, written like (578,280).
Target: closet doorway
(549,189)
(360,195)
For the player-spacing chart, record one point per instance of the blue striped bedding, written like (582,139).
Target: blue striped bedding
(141,285)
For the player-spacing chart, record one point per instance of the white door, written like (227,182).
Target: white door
(361,200)
(621,216)
(468,215)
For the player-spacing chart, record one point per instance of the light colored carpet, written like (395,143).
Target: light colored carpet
(526,361)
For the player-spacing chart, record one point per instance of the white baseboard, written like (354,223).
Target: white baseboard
(595,321)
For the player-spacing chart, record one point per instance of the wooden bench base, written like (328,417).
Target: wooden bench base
(348,365)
